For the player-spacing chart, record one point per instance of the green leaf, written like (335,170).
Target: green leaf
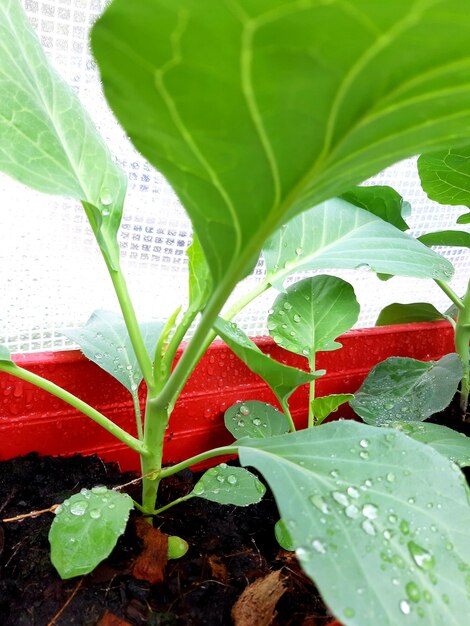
(458,238)
(252,418)
(407,390)
(379,521)
(229,485)
(451,444)
(312,313)
(282,379)
(337,234)
(86,528)
(283,536)
(398,313)
(257,110)
(324,406)
(382,201)
(48,141)
(105,341)
(5,354)
(464,218)
(200,282)
(445,175)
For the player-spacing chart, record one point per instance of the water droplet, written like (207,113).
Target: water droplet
(256,422)
(297,318)
(220,478)
(303,554)
(232,479)
(390,477)
(320,503)
(413,592)
(404,527)
(340,498)
(364,454)
(287,306)
(134,387)
(370,511)
(106,196)
(79,507)
(365,267)
(423,559)
(244,410)
(298,251)
(353,492)
(95,513)
(364,443)
(319,546)
(98,356)
(368,527)
(405,607)
(352,511)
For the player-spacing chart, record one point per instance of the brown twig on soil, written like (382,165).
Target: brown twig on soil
(69,600)
(20,518)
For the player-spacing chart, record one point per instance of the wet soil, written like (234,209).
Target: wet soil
(230,548)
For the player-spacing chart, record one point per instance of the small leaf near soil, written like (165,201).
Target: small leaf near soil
(448,442)
(379,521)
(407,390)
(229,485)
(86,528)
(253,418)
(256,605)
(312,312)
(324,406)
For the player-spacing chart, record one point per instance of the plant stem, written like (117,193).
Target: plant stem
(138,415)
(83,407)
(311,398)
(156,421)
(285,407)
(199,458)
(462,338)
(450,293)
(173,503)
(132,326)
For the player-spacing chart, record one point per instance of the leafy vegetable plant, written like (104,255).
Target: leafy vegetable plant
(263,115)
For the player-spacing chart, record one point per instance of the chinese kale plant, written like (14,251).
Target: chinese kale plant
(263,115)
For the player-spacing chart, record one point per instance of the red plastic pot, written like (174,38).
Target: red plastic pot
(32,420)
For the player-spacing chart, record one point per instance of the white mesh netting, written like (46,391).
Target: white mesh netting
(52,273)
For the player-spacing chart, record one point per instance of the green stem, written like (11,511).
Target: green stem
(199,458)
(156,421)
(132,326)
(462,338)
(160,371)
(138,415)
(173,503)
(83,407)
(188,317)
(311,415)
(285,407)
(450,293)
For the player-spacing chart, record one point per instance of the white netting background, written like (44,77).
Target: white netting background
(52,273)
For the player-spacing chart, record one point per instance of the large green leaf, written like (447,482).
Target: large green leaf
(445,177)
(86,528)
(252,418)
(282,379)
(448,442)
(229,485)
(337,234)
(47,140)
(398,313)
(379,521)
(311,313)
(255,110)
(382,201)
(105,341)
(407,390)
(458,238)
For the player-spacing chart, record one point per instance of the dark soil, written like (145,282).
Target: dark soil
(230,547)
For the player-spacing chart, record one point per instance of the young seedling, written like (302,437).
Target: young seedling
(202,91)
